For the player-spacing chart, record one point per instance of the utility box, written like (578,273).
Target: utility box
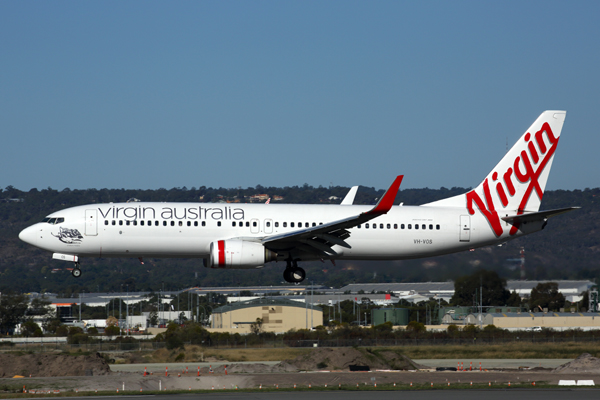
(397,316)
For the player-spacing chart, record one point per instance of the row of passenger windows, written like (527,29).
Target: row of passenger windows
(402,226)
(267,223)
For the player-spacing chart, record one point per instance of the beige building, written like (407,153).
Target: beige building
(278,315)
(552,320)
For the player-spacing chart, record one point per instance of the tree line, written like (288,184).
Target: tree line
(566,249)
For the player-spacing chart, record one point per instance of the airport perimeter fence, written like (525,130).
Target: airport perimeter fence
(107,347)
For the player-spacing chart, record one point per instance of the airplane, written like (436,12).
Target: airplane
(504,206)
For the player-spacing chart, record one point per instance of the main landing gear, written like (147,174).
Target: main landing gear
(293,273)
(76,271)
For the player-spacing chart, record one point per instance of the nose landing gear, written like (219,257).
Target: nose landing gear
(76,271)
(293,273)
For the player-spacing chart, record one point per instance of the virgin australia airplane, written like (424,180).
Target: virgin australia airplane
(503,207)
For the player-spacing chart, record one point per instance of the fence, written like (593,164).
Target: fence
(229,344)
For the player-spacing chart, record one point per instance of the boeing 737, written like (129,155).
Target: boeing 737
(505,206)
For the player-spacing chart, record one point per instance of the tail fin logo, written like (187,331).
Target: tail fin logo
(526,170)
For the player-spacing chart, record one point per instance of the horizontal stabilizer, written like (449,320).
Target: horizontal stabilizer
(537,216)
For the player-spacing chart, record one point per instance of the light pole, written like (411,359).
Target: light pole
(127,308)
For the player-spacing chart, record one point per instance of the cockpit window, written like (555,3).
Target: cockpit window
(53,221)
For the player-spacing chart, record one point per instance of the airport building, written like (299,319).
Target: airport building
(277,315)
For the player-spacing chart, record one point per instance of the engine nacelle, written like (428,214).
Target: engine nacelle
(238,254)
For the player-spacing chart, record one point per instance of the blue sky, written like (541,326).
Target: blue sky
(146,94)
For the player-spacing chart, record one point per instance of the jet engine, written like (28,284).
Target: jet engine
(238,254)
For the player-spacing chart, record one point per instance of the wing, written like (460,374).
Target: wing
(320,239)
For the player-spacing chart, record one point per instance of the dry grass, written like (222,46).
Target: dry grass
(501,351)
(197,354)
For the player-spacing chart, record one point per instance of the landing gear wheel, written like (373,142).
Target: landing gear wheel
(298,274)
(76,272)
(294,275)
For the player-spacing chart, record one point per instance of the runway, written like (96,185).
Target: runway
(475,394)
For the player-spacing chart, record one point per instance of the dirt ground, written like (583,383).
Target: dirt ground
(44,364)
(321,367)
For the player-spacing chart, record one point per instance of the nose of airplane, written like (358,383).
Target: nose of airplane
(29,235)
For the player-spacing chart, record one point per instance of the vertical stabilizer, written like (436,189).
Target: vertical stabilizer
(516,185)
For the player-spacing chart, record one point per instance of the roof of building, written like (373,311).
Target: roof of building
(261,302)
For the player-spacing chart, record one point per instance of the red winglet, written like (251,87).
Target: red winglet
(387,201)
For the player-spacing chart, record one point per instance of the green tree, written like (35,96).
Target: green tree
(514,300)
(257,326)
(112,330)
(494,291)
(12,311)
(546,295)
(30,328)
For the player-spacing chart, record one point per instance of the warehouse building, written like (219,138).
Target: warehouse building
(528,321)
(277,315)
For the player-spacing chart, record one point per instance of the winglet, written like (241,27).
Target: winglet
(349,199)
(387,200)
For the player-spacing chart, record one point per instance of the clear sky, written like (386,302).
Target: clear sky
(147,94)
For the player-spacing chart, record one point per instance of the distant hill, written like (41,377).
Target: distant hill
(567,249)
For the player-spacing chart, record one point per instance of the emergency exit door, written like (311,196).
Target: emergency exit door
(91,222)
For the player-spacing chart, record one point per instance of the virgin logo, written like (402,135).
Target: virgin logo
(526,170)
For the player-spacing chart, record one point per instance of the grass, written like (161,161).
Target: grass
(503,351)
(514,350)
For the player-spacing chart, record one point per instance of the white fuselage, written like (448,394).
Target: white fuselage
(186,230)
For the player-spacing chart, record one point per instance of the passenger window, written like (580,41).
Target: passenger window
(233,224)
(401,226)
(423,226)
(314,224)
(254,224)
(105,222)
(380,226)
(366,226)
(189,223)
(155,223)
(291,224)
(409,226)
(172,223)
(285,224)
(437,227)
(268,224)
(430,226)
(203,223)
(127,223)
(276,224)
(247,224)
(195,223)
(416,226)
(358,226)
(374,226)
(218,223)
(142,223)
(389,226)
(164,223)
(114,222)
(395,226)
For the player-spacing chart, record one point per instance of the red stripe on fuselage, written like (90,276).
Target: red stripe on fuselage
(221,245)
